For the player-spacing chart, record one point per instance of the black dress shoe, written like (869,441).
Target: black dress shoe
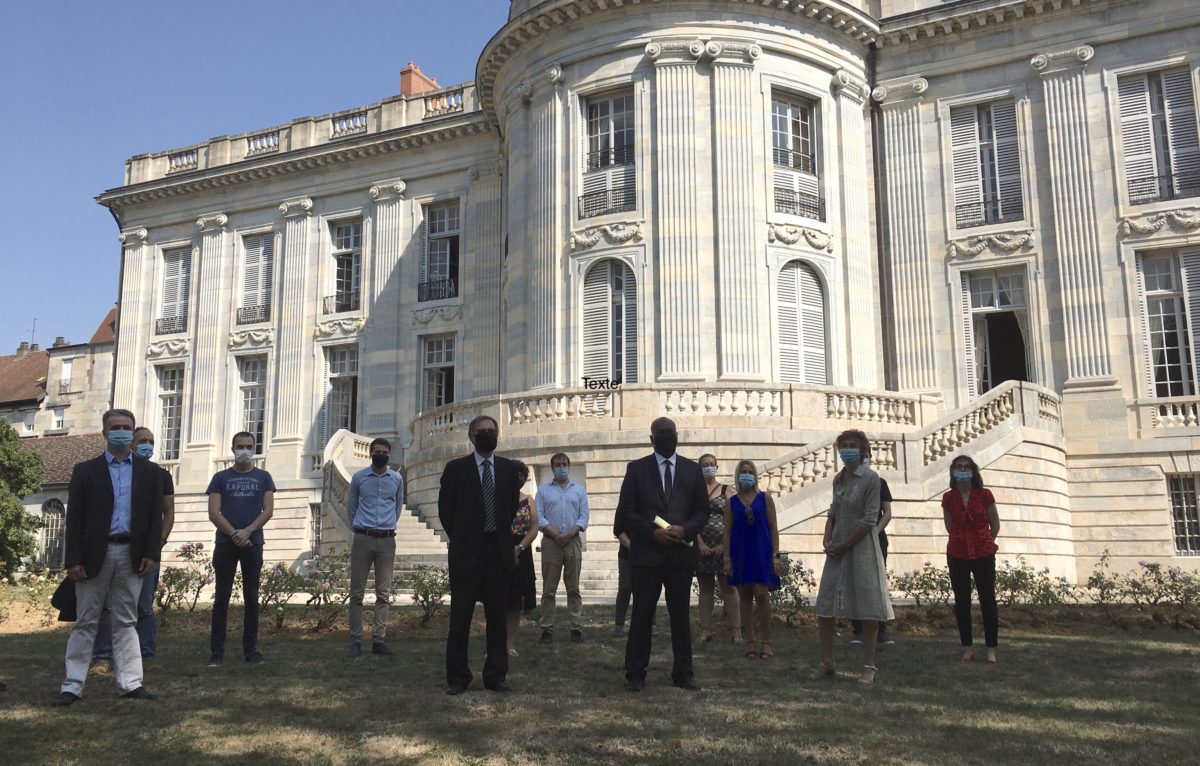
(454,689)
(635,684)
(687,684)
(139,693)
(499,686)
(64,699)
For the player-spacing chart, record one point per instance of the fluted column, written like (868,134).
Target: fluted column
(134,317)
(739,287)
(207,400)
(1075,237)
(676,204)
(380,357)
(293,421)
(905,237)
(543,238)
(485,217)
(861,301)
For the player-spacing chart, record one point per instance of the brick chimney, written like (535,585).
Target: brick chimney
(413,81)
(34,347)
(23,349)
(60,341)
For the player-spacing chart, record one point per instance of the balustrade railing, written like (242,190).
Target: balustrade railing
(993,409)
(188,159)
(263,143)
(748,402)
(437,104)
(560,407)
(1176,413)
(873,408)
(348,124)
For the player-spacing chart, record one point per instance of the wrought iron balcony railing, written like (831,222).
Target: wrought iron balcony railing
(799,203)
(988,211)
(785,158)
(168,325)
(437,290)
(618,199)
(616,155)
(1159,188)
(336,304)
(253,314)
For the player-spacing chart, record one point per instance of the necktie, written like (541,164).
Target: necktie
(668,482)
(489,498)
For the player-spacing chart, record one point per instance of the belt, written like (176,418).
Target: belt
(375,532)
(119,539)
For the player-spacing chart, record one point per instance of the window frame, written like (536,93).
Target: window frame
(163,432)
(329,377)
(609,177)
(264,312)
(341,302)
(245,387)
(452,283)
(778,91)
(181,321)
(426,403)
(1191,526)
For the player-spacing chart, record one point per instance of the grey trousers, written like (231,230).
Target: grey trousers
(120,586)
(367,551)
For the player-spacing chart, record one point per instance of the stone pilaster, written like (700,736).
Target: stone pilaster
(485,256)
(206,393)
(543,235)
(292,316)
(739,281)
(380,358)
(676,203)
(905,236)
(135,321)
(1075,236)
(518,348)
(858,273)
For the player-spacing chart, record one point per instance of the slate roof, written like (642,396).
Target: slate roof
(23,379)
(59,454)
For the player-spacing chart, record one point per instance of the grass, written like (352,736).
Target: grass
(1093,696)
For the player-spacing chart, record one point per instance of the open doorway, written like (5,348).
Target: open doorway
(998,329)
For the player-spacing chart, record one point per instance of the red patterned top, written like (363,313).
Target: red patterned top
(970,532)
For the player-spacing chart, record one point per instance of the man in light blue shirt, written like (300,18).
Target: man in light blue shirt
(373,505)
(562,516)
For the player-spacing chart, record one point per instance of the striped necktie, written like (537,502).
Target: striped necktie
(489,498)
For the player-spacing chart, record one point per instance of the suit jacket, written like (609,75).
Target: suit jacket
(642,498)
(90,509)
(460,509)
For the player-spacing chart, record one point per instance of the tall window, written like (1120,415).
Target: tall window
(341,404)
(64,380)
(1159,135)
(1168,337)
(609,170)
(59,418)
(257,277)
(794,157)
(314,528)
(29,422)
(176,290)
(987,164)
(610,323)
(996,329)
(801,315)
(1185,518)
(170,407)
(439,262)
(438,365)
(347,268)
(253,373)
(54,529)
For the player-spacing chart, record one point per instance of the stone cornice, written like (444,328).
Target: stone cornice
(923,25)
(285,163)
(382,191)
(1184,220)
(135,237)
(1003,242)
(895,91)
(544,21)
(1072,58)
(296,206)
(210,221)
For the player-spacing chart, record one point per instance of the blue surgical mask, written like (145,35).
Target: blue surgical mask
(243,456)
(849,454)
(119,440)
(963,475)
(561,473)
(746,480)
(709,471)
(146,450)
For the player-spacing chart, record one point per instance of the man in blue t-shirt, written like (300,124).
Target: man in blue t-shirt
(240,502)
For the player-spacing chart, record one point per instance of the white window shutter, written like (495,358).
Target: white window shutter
(1144,321)
(1008,159)
(252,276)
(596,321)
(968,339)
(423,238)
(176,270)
(788,312)
(325,413)
(812,325)
(268,269)
(631,327)
(1137,138)
(1189,262)
(1180,106)
(967,177)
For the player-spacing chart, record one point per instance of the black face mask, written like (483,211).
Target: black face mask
(380,460)
(485,442)
(665,444)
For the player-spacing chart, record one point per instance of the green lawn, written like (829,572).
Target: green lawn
(1099,697)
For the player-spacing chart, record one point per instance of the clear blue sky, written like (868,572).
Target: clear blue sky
(88,83)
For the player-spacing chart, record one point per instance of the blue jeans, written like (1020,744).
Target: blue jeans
(147,624)
(226,557)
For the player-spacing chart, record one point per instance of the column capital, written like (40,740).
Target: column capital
(732,54)
(485,170)
(677,52)
(846,83)
(212,222)
(896,91)
(135,237)
(382,191)
(1057,61)
(294,207)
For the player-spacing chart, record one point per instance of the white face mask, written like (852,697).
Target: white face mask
(243,456)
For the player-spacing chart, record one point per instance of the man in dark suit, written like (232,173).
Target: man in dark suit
(670,488)
(113,540)
(476,505)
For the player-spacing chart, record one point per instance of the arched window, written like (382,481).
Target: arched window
(54,528)
(801,325)
(610,323)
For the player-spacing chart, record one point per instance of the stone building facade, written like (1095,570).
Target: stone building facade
(963,226)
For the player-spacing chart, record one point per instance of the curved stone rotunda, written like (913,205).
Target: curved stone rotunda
(964,226)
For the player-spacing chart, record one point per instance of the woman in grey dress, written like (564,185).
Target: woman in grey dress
(853,583)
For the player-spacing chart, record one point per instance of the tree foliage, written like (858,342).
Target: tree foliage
(20,475)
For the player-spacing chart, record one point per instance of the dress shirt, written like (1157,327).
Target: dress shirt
(121,474)
(662,471)
(562,507)
(375,499)
(479,460)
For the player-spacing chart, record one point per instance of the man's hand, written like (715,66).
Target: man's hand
(240,538)
(144,569)
(76,573)
(664,537)
(676,532)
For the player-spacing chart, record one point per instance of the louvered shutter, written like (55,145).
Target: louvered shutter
(326,391)
(1008,160)
(252,276)
(1147,348)
(1137,138)
(969,360)
(177,271)
(1180,107)
(596,321)
(631,327)
(268,269)
(812,325)
(423,238)
(967,177)
(788,312)
(1189,261)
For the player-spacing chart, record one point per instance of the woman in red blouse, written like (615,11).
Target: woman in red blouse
(971,519)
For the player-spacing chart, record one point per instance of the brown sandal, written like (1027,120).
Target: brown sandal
(824,669)
(765,650)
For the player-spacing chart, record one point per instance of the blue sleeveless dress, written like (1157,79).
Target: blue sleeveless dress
(750,549)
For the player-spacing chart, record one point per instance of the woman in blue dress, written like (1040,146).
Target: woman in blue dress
(752,555)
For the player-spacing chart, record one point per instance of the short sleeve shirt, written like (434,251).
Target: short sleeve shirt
(970,532)
(241,498)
